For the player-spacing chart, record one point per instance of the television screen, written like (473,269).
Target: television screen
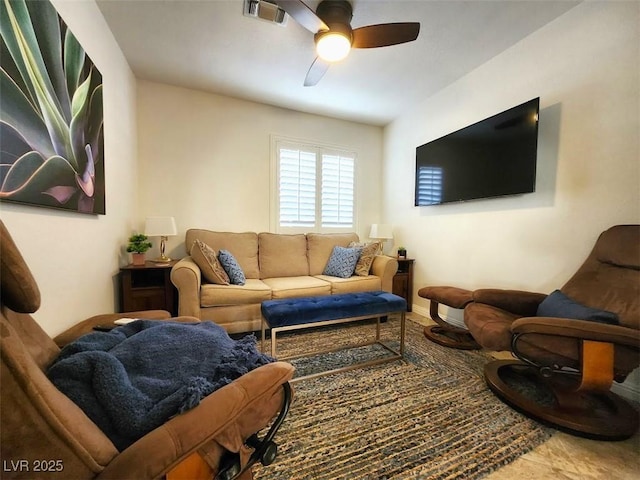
(491,158)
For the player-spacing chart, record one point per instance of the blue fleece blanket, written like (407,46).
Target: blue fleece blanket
(135,377)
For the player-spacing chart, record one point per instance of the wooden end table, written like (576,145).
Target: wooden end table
(148,287)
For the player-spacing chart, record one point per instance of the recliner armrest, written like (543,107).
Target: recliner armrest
(515,301)
(578,329)
(228,416)
(87,325)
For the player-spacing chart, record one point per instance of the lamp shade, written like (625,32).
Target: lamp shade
(160,227)
(381,230)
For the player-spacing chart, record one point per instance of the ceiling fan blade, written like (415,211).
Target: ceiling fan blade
(316,71)
(302,14)
(385,34)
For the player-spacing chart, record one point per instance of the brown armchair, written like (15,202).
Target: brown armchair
(567,366)
(45,435)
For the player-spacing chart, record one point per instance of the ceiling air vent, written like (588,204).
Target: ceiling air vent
(266,11)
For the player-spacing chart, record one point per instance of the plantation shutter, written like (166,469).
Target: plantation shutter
(297,187)
(338,177)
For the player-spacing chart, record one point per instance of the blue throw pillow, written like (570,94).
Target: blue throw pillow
(342,262)
(557,304)
(231,266)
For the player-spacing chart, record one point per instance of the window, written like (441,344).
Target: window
(314,188)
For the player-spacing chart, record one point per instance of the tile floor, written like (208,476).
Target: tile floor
(567,457)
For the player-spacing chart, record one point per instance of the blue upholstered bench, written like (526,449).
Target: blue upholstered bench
(299,313)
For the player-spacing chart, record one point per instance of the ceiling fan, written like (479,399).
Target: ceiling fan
(334,37)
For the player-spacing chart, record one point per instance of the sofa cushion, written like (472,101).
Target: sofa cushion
(282,255)
(342,262)
(207,260)
(369,252)
(253,291)
(231,266)
(320,246)
(352,284)
(243,246)
(304,286)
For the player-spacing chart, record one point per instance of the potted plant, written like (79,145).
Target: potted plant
(402,252)
(138,245)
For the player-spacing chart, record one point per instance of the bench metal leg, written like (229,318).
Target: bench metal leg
(402,332)
(272,338)
(396,354)
(272,335)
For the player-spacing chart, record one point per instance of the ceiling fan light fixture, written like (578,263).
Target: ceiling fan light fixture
(333,46)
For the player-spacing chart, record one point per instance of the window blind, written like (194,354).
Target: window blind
(337,191)
(297,188)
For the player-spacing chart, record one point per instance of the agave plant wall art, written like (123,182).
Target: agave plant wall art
(51,120)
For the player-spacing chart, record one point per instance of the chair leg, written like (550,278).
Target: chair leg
(448,335)
(450,338)
(555,401)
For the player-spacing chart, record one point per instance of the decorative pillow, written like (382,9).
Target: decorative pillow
(206,258)
(557,304)
(368,253)
(342,261)
(232,267)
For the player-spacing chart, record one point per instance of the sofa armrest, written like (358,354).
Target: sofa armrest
(87,325)
(187,278)
(385,267)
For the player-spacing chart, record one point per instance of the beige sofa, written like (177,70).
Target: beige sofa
(275,266)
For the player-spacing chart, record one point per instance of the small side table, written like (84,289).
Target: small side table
(403,281)
(148,287)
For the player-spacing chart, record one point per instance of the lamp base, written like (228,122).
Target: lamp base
(163,248)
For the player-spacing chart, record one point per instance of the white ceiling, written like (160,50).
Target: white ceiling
(211,46)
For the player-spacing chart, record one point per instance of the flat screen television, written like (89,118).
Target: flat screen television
(491,158)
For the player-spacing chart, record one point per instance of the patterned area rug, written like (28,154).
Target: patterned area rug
(431,417)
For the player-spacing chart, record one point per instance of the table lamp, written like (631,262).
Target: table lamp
(382,232)
(160,227)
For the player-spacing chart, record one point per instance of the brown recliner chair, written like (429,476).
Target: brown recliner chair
(45,435)
(566,366)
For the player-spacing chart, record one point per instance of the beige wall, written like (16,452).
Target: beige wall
(585,68)
(204,158)
(75,257)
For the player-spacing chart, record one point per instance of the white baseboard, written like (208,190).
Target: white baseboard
(631,392)
(456,322)
(630,389)
(420,310)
